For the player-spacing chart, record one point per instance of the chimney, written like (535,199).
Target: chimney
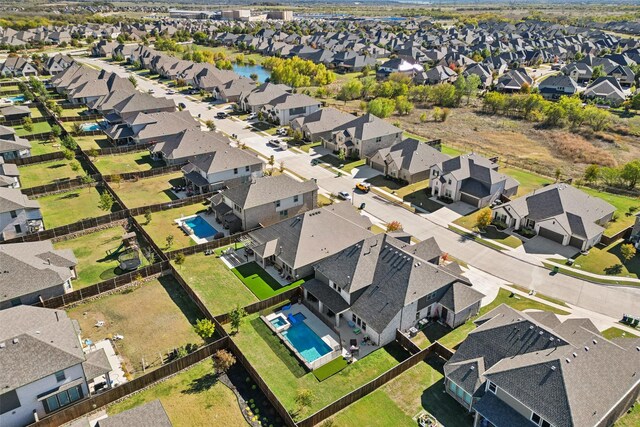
(49,261)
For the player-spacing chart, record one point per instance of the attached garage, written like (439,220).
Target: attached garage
(551,235)
(576,242)
(467,198)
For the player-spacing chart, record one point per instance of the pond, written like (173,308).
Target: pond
(247,70)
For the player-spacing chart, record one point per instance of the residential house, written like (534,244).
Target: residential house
(295,245)
(532,369)
(409,160)
(289,106)
(9,175)
(553,87)
(435,75)
(559,212)
(18,214)
(319,125)
(263,201)
(363,136)
(92,92)
(179,148)
(471,179)
(605,90)
(514,81)
(44,367)
(15,112)
(401,64)
(482,71)
(147,414)
(635,232)
(256,98)
(34,271)
(139,103)
(57,63)
(231,90)
(17,66)
(12,146)
(104,48)
(381,284)
(145,128)
(211,78)
(579,72)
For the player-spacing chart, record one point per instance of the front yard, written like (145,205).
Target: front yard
(491,233)
(396,403)
(123,163)
(48,172)
(154,318)
(191,398)
(148,191)
(162,224)
(607,261)
(285,375)
(452,338)
(218,288)
(97,254)
(261,283)
(66,208)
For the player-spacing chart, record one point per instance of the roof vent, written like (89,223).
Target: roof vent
(553,368)
(586,348)
(551,338)
(595,341)
(473,368)
(575,354)
(638,348)
(541,332)
(16,341)
(531,327)
(3,345)
(568,360)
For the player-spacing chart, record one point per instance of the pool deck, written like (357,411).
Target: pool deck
(195,238)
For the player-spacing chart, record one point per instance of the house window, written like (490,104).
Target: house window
(435,173)
(452,386)
(449,182)
(353,317)
(277,203)
(60,376)
(235,171)
(295,199)
(14,214)
(364,326)
(18,228)
(378,139)
(536,418)
(492,387)
(62,399)
(284,213)
(236,207)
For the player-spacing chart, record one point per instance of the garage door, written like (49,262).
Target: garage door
(576,242)
(376,166)
(551,235)
(468,199)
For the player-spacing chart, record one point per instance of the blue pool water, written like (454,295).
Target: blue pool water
(17,98)
(307,342)
(89,126)
(278,322)
(200,227)
(247,70)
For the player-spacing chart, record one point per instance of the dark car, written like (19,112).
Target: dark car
(182,105)
(221,115)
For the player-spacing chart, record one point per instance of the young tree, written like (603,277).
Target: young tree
(597,118)
(210,124)
(27,124)
(394,226)
(483,218)
(631,173)
(558,174)
(76,128)
(116,179)
(381,107)
(205,328)
(403,105)
(56,131)
(106,201)
(133,81)
(75,166)
(93,153)
(169,240)
(235,317)
(598,71)
(627,251)
(592,173)
(423,118)
(147,216)
(179,259)
(223,360)
(68,142)
(350,90)
(303,397)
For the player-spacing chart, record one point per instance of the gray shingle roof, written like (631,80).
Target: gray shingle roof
(367,127)
(12,199)
(268,190)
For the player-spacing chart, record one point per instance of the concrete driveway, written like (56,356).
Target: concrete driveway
(547,248)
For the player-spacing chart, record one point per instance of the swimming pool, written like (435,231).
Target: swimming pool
(89,126)
(278,322)
(304,340)
(17,98)
(201,228)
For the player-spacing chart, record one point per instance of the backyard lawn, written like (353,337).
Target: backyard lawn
(66,208)
(35,112)
(97,255)
(162,224)
(528,180)
(258,281)
(48,172)
(608,261)
(40,127)
(214,283)
(285,375)
(154,318)
(45,147)
(123,163)
(87,142)
(148,191)
(622,204)
(396,403)
(191,398)
(631,418)
(614,332)
(73,112)
(452,338)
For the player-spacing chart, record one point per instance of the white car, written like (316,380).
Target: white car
(344,195)
(252,116)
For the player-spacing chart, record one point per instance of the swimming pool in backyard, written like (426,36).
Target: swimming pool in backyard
(310,346)
(201,228)
(87,127)
(17,98)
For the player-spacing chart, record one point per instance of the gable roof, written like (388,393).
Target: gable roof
(268,189)
(412,155)
(367,127)
(12,199)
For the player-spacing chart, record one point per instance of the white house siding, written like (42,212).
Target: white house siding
(7,224)
(28,396)
(45,294)
(461,317)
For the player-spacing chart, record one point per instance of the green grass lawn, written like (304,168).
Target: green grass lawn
(541,296)
(491,233)
(36,112)
(528,180)
(622,204)
(347,164)
(285,376)
(261,283)
(614,332)
(123,163)
(73,112)
(191,398)
(40,127)
(154,318)
(631,418)
(148,191)
(218,288)
(87,142)
(307,147)
(396,403)
(47,173)
(162,224)
(331,368)
(97,255)
(601,261)
(66,208)
(45,147)
(452,338)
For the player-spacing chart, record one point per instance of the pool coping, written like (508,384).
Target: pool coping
(184,227)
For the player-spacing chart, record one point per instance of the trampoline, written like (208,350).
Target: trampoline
(129,260)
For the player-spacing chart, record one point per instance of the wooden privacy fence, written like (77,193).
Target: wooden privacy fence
(56,187)
(214,244)
(374,384)
(406,343)
(253,373)
(18,122)
(91,404)
(170,205)
(83,118)
(104,286)
(131,176)
(37,136)
(123,149)
(41,158)
(256,307)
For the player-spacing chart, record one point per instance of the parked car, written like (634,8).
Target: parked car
(221,115)
(344,195)
(171,92)
(282,132)
(274,143)
(363,186)
(252,116)
(182,105)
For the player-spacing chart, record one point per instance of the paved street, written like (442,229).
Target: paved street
(522,269)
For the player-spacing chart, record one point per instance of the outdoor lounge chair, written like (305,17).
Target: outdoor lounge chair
(286,307)
(351,324)
(357,331)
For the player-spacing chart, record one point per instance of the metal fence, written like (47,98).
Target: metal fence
(214,244)
(91,404)
(123,149)
(84,118)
